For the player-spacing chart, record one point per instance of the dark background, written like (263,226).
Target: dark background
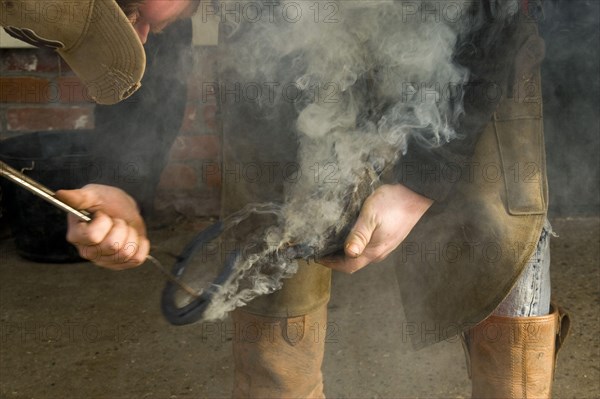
(571,87)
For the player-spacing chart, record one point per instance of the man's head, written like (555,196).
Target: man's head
(154,15)
(101,40)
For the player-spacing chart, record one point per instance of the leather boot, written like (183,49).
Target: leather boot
(279,357)
(515,357)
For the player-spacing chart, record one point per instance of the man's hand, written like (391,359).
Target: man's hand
(386,218)
(116,237)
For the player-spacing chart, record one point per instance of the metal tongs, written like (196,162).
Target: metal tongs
(48,195)
(40,190)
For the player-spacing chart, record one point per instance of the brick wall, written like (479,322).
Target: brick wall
(38,92)
(191,182)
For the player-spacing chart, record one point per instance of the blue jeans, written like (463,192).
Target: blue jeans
(530,295)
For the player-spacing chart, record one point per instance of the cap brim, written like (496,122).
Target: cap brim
(109,58)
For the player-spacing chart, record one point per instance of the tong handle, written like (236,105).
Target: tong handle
(48,195)
(40,190)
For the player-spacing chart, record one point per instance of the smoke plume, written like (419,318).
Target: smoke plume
(368,79)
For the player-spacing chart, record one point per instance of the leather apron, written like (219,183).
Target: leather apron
(466,253)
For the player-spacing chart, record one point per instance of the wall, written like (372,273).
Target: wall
(38,92)
(571,86)
(191,182)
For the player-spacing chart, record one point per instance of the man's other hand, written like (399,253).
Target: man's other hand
(116,236)
(386,218)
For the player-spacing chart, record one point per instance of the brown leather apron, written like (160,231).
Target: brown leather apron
(465,254)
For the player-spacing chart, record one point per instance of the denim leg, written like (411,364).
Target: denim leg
(530,295)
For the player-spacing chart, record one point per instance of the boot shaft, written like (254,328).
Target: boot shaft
(515,357)
(278,357)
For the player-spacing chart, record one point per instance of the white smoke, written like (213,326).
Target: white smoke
(404,51)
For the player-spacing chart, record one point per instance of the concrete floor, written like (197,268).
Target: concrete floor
(77,331)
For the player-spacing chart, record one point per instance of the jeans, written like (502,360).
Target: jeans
(530,295)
